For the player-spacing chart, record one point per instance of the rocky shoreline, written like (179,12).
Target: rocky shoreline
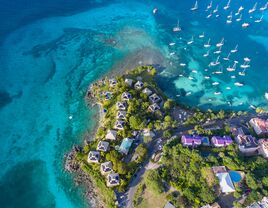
(81,178)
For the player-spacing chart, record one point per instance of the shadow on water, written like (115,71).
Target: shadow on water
(5,99)
(27,183)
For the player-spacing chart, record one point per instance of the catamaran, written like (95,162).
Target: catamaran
(202,35)
(245,25)
(207,45)
(177,28)
(227,58)
(227,5)
(259,20)
(191,41)
(195,6)
(235,49)
(206,54)
(264,7)
(253,9)
(220,44)
(216,9)
(239,18)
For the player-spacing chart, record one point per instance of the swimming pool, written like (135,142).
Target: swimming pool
(235,176)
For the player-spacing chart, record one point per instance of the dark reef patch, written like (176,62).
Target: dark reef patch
(5,98)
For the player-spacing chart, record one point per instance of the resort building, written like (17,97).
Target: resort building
(93,157)
(148,133)
(111,135)
(260,204)
(129,82)
(138,85)
(112,82)
(119,125)
(154,107)
(214,205)
(125,145)
(106,167)
(260,126)
(226,183)
(263,150)
(247,144)
(237,131)
(169,205)
(126,96)
(218,141)
(147,91)
(113,179)
(121,115)
(103,146)
(218,169)
(154,98)
(188,140)
(121,105)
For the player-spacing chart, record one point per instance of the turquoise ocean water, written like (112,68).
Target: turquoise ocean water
(50,52)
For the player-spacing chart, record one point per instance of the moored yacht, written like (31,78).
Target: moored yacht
(227,58)
(266,95)
(209,6)
(259,20)
(217,93)
(172,44)
(239,18)
(253,8)
(233,68)
(245,25)
(227,5)
(220,43)
(177,28)
(202,35)
(215,83)
(264,7)
(238,84)
(216,9)
(235,49)
(191,41)
(206,54)
(207,45)
(218,51)
(215,63)
(155,10)
(195,6)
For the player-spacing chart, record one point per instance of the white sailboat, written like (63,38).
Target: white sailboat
(155,10)
(206,54)
(215,63)
(264,7)
(217,93)
(242,73)
(245,65)
(253,8)
(228,88)
(216,9)
(239,18)
(191,41)
(245,25)
(229,20)
(182,64)
(209,15)
(227,5)
(215,83)
(227,58)
(195,6)
(266,95)
(202,35)
(207,45)
(247,59)
(235,49)
(209,6)
(233,68)
(220,71)
(238,84)
(220,44)
(206,77)
(230,15)
(259,20)
(172,44)
(177,28)
(218,51)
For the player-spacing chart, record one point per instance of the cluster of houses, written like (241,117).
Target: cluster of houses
(106,168)
(260,204)
(247,144)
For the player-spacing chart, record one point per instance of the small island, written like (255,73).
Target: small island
(149,151)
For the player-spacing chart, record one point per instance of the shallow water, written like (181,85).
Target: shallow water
(49,59)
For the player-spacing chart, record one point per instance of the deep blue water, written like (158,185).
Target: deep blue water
(51,51)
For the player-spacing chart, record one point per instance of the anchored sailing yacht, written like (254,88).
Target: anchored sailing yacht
(191,41)
(242,73)
(154,10)
(238,84)
(220,43)
(259,20)
(264,7)
(209,15)
(209,6)
(206,54)
(229,20)
(202,35)
(177,28)
(195,6)
(253,9)
(227,5)
(216,9)
(218,51)
(207,45)
(227,58)
(233,68)
(172,44)
(245,65)
(235,49)
(245,25)
(215,63)
(239,18)
(266,95)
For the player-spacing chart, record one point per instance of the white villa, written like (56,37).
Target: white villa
(121,115)
(138,85)
(129,82)
(260,126)
(103,146)
(111,135)
(154,98)
(93,157)
(126,96)
(226,183)
(106,167)
(154,107)
(121,105)
(112,82)
(263,150)
(113,180)
(119,125)
(147,91)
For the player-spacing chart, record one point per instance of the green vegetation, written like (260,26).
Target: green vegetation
(154,182)
(190,173)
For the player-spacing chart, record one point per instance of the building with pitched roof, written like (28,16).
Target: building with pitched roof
(147,91)
(113,180)
(189,140)
(121,115)
(226,183)
(247,144)
(129,82)
(218,141)
(138,85)
(259,125)
(111,135)
(263,150)
(112,82)
(154,107)
(106,167)
(121,106)
(126,96)
(103,146)
(154,98)
(93,157)
(119,125)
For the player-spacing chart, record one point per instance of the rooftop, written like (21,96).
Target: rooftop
(106,167)
(226,183)
(247,141)
(103,146)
